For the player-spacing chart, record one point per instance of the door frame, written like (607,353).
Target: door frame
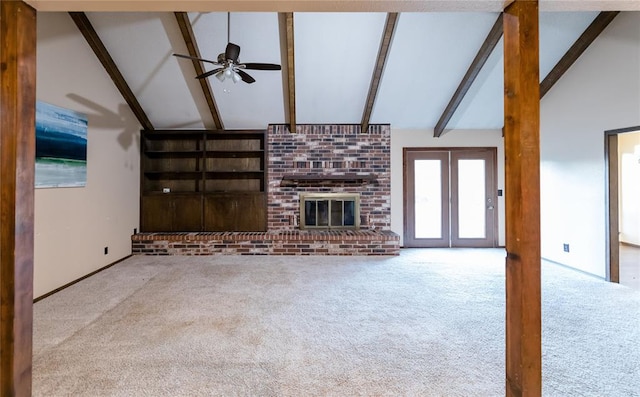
(612,183)
(494,180)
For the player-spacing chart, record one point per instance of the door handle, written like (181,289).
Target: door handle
(489,204)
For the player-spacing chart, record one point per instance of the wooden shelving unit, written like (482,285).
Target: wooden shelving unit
(203,181)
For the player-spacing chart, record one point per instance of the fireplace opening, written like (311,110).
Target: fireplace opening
(329,211)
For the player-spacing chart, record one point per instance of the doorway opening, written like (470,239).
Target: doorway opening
(450,197)
(622,150)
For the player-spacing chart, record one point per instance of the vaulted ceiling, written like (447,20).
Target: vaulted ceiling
(338,67)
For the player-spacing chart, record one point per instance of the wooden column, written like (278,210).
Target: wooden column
(522,185)
(613,270)
(17,152)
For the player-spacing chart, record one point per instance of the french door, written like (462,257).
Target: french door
(450,197)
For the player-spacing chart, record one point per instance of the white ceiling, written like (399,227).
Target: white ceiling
(335,54)
(242,105)
(141,45)
(430,54)
(326,5)
(335,57)
(483,104)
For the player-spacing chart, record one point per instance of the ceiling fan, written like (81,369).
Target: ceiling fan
(229,65)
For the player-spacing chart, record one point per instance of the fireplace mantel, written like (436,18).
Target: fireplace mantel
(290,180)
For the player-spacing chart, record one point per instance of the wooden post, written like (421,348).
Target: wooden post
(17,153)
(613,270)
(522,152)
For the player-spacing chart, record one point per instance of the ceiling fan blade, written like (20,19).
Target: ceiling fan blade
(232,52)
(245,76)
(261,66)
(209,73)
(195,58)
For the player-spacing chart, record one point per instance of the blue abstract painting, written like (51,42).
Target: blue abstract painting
(61,147)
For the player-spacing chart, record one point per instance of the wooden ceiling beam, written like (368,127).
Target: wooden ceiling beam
(474,69)
(582,43)
(192,46)
(383,53)
(92,38)
(291,72)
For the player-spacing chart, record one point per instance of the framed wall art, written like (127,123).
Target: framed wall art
(61,147)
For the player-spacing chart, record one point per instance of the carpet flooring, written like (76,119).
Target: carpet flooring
(426,323)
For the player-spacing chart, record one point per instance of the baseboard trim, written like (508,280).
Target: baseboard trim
(574,269)
(48,294)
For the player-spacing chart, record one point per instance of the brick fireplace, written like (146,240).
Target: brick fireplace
(329,159)
(316,159)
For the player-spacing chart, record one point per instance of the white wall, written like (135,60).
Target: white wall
(629,184)
(73,225)
(424,138)
(601,91)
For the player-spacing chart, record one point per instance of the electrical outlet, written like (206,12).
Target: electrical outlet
(565,247)
(106,250)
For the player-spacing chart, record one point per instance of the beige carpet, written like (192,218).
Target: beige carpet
(426,323)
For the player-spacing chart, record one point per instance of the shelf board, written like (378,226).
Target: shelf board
(174,175)
(173,193)
(174,153)
(234,174)
(208,153)
(220,193)
(233,193)
(213,135)
(173,134)
(234,154)
(295,179)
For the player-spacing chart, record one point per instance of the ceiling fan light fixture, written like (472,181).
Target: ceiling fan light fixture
(228,66)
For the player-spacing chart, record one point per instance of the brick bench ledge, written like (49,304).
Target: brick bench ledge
(295,242)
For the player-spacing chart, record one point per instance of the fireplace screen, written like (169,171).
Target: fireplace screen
(330,211)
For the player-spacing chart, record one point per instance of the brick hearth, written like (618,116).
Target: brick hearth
(294,242)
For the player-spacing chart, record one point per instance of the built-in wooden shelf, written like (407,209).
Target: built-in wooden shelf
(193,181)
(295,179)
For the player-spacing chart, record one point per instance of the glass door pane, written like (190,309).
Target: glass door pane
(471,198)
(427,198)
